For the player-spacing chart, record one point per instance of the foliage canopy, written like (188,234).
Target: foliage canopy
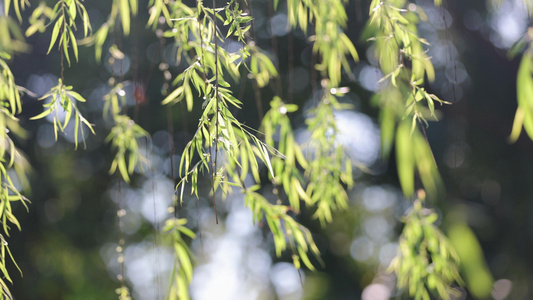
(312,176)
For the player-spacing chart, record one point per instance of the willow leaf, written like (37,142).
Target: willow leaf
(55,32)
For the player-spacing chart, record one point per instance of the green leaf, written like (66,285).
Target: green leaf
(172,96)
(55,32)
(7,3)
(404,158)
(121,161)
(99,41)
(517,125)
(64,41)
(41,115)
(305,259)
(74,44)
(125,16)
(76,130)
(76,96)
(134,7)
(184,259)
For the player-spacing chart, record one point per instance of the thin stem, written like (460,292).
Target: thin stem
(61,30)
(291,67)
(257,92)
(170,128)
(274,41)
(62,58)
(121,242)
(314,75)
(204,77)
(243,45)
(258,101)
(200,36)
(156,232)
(214,164)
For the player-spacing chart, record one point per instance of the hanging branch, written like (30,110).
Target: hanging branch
(329,168)
(64,14)
(14,167)
(237,151)
(426,262)
(394,32)
(426,265)
(123,291)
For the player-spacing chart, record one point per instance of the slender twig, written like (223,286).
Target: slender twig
(120,212)
(214,162)
(200,36)
(402,62)
(314,76)
(257,92)
(170,128)
(61,30)
(156,231)
(291,67)
(121,242)
(258,101)
(274,42)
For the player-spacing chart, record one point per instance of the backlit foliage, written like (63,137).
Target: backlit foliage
(402,98)
(13,165)
(62,106)
(315,175)
(524,87)
(426,264)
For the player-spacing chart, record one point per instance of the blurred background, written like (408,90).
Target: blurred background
(66,248)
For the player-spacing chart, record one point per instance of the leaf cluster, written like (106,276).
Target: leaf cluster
(260,66)
(287,233)
(182,268)
(414,154)
(237,20)
(524,89)
(64,16)
(317,173)
(123,138)
(18,6)
(222,146)
(335,48)
(331,42)
(426,263)
(122,9)
(330,168)
(63,100)
(404,102)
(13,165)
(123,293)
(11,38)
(278,134)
